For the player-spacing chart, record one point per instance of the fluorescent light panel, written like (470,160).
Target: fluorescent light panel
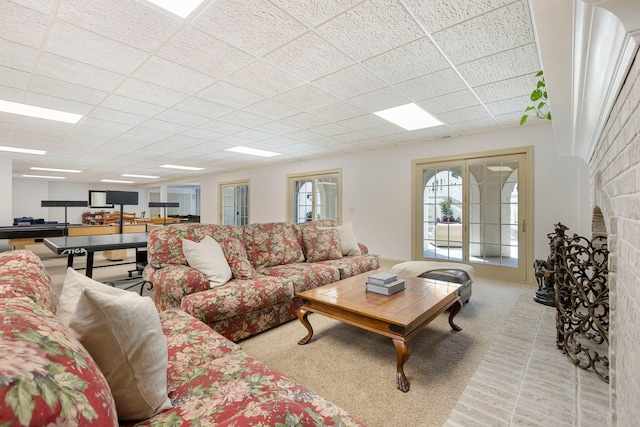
(130,175)
(182,8)
(117,181)
(409,117)
(22,150)
(39,112)
(500,168)
(54,170)
(186,168)
(252,151)
(43,176)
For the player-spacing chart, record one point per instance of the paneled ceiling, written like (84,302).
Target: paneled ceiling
(298,77)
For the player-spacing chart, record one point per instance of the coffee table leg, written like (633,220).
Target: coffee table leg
(403,351)
(455,309)
(302,316)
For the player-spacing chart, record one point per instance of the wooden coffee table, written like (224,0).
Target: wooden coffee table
(399,316)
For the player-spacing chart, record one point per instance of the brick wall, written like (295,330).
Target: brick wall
(615,190)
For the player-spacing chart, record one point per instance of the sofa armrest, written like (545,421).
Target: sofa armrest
(173,282)
(363,248)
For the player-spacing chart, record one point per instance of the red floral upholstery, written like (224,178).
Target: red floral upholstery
(321,244)
(271,244)
(23,274)
(305,276)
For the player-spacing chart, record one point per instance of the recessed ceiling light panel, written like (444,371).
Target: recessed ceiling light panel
(252,151)
(409,117)
(130,175)
(39,112)
(186,168)
(22,150)
(43,176)
(118,181)
(182,8)
(55,170)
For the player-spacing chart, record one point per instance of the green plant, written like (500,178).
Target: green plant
(540,109)
(445,208)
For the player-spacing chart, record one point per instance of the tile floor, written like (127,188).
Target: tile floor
(524,380)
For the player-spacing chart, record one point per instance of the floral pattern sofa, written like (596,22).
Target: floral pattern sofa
(47,378)
(270,264)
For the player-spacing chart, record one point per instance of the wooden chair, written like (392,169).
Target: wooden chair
(128,218)
(111,218)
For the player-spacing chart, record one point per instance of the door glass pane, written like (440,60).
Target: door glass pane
(442,212)
(493,213)
(315,198)
(234,204)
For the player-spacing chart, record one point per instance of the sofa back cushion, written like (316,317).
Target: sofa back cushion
(48,378)
(165,243)
(22,274)
(272,244)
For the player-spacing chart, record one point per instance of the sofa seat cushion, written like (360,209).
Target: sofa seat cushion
(211,381)
(173,282)
(237,297)
(304,275)
(354,265)
(47,377)
(271,244)
(24,275)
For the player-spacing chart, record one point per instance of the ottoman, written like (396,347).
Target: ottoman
(461,274)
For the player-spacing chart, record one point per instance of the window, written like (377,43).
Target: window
(314,196)
(233,203)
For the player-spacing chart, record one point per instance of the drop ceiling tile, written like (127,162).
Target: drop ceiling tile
(272,109)
(42,6)
(95,50)
(254,135)
(338,111)
(384,130)
(230,95)
(432,85)
(464,114)
(18,56)
(75,72)
(502,66)
(147,132)
(54,103)
(22,25)
(474,126)
(304,120)
(117,116)
(133,106)
(10,93)
(163,126)
(173,76)
(370,28)
(14,78)
(254,26)
(102,128)
(277,128)
(330,129)
(506,89)
(202,107)
(222,127)
(349,82)
(352,136)
(309,57)
(439,14)
(450,101)
(363,122)
(303,135)
(264,79)
(244,119)
(182,118)
(407,62)
(149,92)
(197,50)
(319,13)
(59,89)
(490,33)
(128,22)
(203,134)
(513,105)
(380,99)
(306,97)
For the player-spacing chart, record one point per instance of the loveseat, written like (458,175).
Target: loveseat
(47,377)
(270,264)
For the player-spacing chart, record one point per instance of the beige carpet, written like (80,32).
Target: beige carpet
(356,369)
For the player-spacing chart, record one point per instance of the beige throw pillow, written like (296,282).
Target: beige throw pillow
(124,336)
(72,287)
(208,258)
(348,241)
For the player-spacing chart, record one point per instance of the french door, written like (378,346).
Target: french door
(474,210)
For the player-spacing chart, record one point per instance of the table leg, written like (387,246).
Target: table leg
(70,260)
(89,271)
(303,317)
(455,309)
(403,351)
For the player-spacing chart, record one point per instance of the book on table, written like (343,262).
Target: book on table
(382,278)
(386,289)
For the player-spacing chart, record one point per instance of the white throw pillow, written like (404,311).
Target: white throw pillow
(208,258)
(72,287)
(124,336)
(348,241)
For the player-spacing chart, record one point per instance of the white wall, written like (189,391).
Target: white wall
(377,186)
(6,191)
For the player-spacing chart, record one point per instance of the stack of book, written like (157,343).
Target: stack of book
(384,283)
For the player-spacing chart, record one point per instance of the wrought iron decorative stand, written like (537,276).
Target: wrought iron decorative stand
(582,303)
